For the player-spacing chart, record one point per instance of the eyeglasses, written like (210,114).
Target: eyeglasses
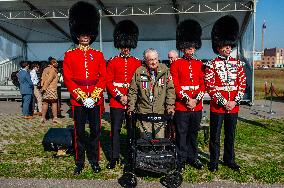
(153,59)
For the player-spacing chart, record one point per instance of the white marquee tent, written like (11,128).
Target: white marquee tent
(37,29)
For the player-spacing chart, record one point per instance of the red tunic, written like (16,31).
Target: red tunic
(225,81)
(120,71)
(84,74)
(188,78)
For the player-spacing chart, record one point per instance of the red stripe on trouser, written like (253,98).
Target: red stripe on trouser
(99,144)
(110,136)
(75,136)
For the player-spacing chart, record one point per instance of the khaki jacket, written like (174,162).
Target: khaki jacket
(140,91)
(49,78)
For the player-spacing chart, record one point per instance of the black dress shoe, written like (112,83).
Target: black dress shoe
(213,167)
(233,166)
(196,164)
(180,167)
(78,169)
(96,167)
(112,164)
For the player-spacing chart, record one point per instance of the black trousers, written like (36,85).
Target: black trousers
(188,124)
(117,115)
(216,121)
(81,115)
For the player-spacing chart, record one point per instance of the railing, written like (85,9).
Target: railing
(7,67)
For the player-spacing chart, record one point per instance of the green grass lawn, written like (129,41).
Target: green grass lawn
(274,76)
(259,150)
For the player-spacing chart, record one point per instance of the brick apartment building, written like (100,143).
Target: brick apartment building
(272,57)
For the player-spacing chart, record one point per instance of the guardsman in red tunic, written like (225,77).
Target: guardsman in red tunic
(225,82)
(84,72)
(120,70)
(188,78)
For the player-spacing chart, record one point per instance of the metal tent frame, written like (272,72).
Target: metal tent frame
(112,11)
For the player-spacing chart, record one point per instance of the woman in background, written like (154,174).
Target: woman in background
(49,82)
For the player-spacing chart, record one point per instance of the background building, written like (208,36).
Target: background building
(273,57)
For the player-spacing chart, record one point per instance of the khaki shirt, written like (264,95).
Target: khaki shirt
(163,91)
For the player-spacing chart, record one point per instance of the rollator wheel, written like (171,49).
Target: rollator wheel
(128,180)
(173,180)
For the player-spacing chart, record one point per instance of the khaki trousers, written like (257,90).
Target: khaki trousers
(38,97)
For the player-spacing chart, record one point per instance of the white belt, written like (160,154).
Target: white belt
(125,85)
(227,88)
(188,88)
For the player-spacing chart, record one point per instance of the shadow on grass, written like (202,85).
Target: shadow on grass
(276,99)
(105,139)
(106,142)
(256,123)
(106,116)
(268,98)
(259,124)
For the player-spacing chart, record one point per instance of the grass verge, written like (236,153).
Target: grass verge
(259,150)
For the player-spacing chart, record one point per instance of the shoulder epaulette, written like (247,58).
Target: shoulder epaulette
(96,50)
(179,58)
(70,50)
(208,63)
(136,58)
(241,63)
(113,57)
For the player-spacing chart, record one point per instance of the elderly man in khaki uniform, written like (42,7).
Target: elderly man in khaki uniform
(152,91)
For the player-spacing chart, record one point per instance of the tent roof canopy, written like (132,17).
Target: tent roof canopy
(40,21)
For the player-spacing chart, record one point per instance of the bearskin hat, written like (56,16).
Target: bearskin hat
(125,34)
(188,34)
(225,32)
(83,19)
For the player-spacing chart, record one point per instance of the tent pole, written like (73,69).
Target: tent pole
(24,51)
(101,40)
(252,84)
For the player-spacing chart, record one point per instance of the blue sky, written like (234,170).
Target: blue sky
(272,11)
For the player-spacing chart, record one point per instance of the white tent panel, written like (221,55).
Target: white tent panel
(43,24)
(157,19)
(41,51)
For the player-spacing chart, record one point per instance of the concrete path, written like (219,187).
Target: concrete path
(47,183)
(260,109)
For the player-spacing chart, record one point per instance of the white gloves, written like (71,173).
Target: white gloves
(89,103)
